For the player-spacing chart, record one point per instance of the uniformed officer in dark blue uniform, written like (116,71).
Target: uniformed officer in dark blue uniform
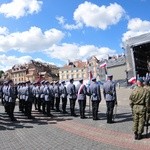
(81,96)
(51,87)
(71,90)
(11,100)
(95,98)
(42,96)
(109,90)
(57,96)
(47,98)
(63,96)
(28,100)
(1,92)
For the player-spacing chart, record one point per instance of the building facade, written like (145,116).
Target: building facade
(33,71)
(79,69)
(76,70)
(115,65)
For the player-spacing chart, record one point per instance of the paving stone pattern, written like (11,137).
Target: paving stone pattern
(63,132)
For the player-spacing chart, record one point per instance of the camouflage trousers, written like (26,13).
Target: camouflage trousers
(138,118)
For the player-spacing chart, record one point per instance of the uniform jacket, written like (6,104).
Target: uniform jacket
(139,96)
(57,91)
(63,91)
(71,90)
(81,91)
(42,91)
(52,90)
(5,93)
(11,94)
(148,104)
(109,91)
(37,91)
(95,92)
(47,93)
(29,93)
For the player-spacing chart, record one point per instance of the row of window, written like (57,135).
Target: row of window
(72,76)
(19,74)
(67,71)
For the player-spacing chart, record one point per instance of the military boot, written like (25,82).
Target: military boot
(139,136)
(135,135)
(108,118)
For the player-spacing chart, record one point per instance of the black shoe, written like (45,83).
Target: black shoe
(83,117)
(74,115)
(65,112)
(112,121)
(13,119)
(139,136)
(135,136)
(50,115)
(30,117)
(96,119)
(58,110)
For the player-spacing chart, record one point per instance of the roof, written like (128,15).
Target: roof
(137,40)
(117,62)
(76,64)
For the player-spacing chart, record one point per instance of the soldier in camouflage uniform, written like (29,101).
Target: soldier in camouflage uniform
(147,86)
(139,101)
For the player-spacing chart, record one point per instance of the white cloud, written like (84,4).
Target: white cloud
(92,15)
(3,31)
(63,52)
(61,21)
(20,8)
(73,52)
(136,27)
(29,41)
(7,62)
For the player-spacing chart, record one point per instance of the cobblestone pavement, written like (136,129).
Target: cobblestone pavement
(63,132)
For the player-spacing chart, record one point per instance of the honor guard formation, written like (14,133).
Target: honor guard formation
(46,96)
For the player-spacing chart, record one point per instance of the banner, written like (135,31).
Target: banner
(103,65)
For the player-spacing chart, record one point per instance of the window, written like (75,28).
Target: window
(74,76)
(67,76)
(77,76)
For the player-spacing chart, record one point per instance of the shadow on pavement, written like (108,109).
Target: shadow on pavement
(24,122)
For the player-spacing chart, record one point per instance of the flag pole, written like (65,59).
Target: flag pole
(90,79)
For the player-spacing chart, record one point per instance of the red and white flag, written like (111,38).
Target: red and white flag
(103,65)
(132,80)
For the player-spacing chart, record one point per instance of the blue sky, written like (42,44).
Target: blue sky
(54,31)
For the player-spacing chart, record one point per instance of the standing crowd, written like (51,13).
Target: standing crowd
(46,96)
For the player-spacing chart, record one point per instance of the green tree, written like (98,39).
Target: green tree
(1,72)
